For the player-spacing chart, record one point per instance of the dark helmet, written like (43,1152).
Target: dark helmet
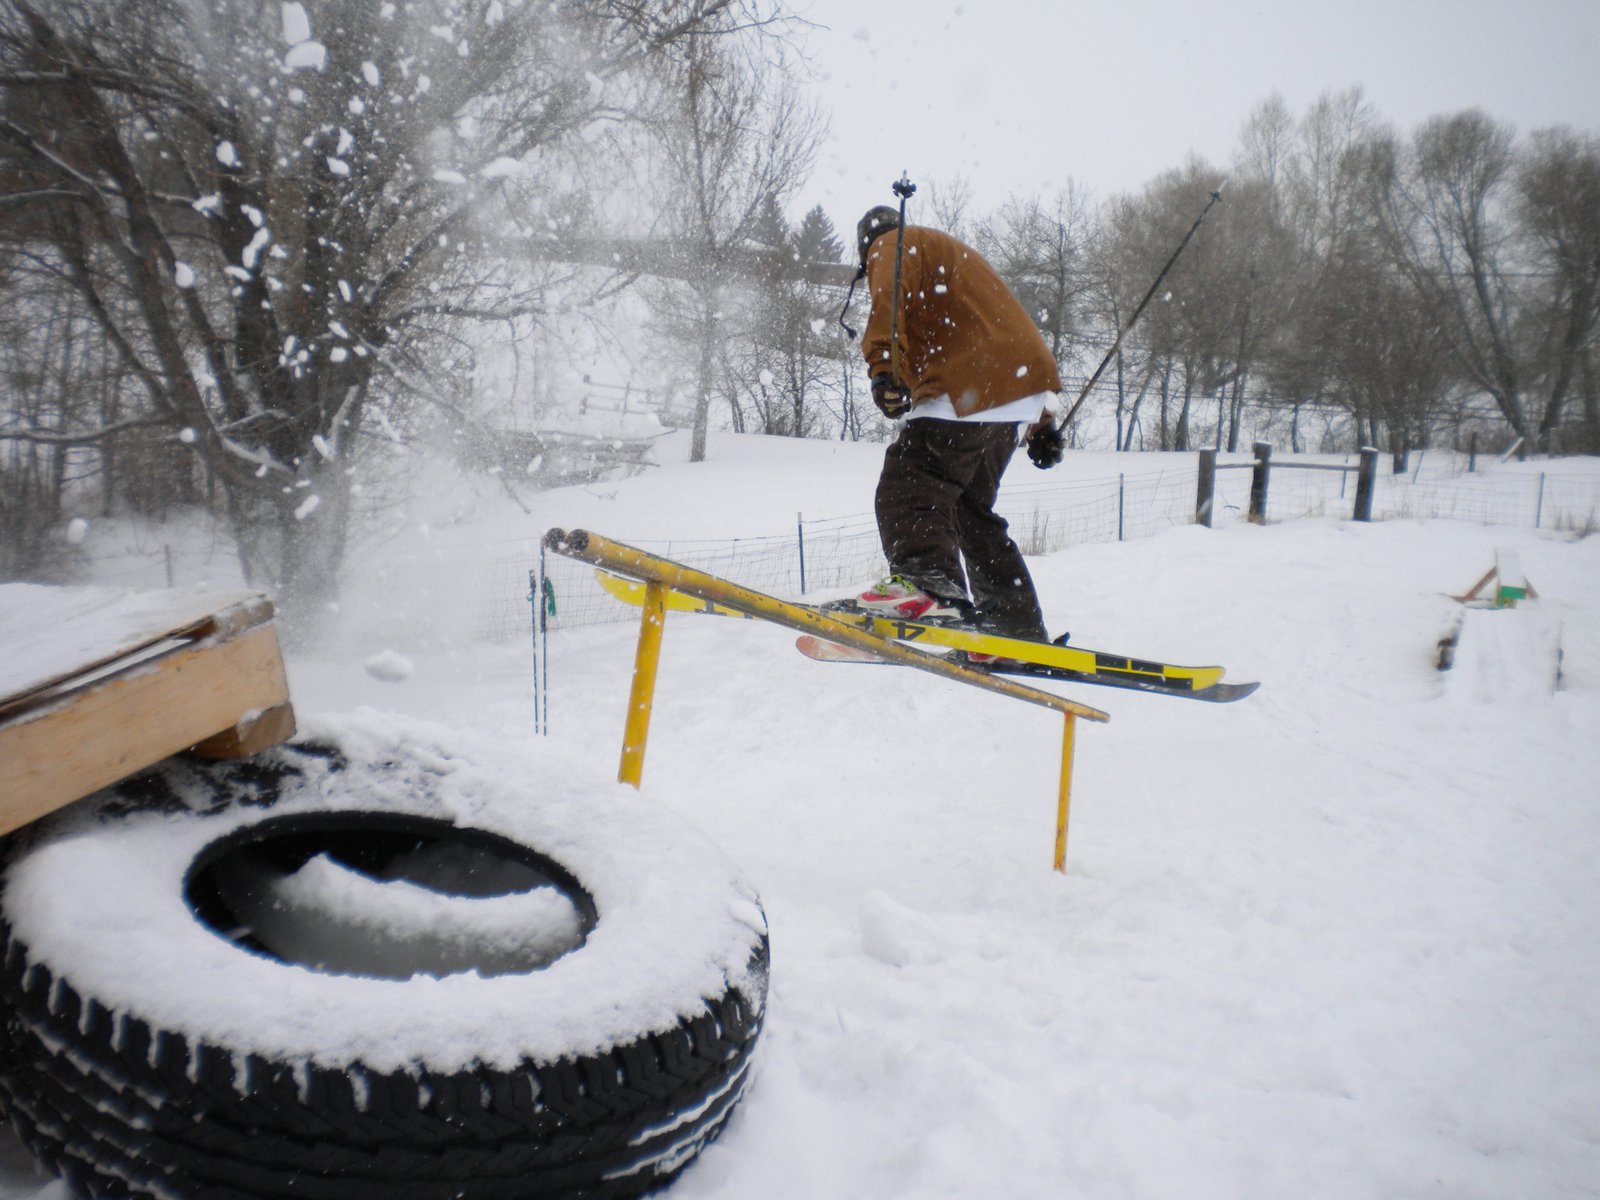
(879,219)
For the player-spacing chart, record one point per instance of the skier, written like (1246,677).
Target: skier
(966,369)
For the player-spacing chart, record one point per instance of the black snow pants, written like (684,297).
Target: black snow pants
(935,510)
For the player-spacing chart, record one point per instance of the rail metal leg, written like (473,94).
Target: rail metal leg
(642,695)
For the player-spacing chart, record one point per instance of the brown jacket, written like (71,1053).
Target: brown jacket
(962,333)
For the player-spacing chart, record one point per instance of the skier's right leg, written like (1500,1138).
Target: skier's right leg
(925,471)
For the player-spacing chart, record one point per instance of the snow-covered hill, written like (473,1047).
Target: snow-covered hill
(1337,940)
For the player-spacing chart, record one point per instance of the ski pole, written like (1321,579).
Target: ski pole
(904,188)
(1128,324)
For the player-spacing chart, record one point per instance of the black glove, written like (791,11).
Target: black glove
(1046,445)
(891,397)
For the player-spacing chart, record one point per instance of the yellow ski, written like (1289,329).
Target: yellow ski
(1084,665)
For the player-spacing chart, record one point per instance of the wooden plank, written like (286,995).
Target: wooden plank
(117,626)
(257,730)
(59,752)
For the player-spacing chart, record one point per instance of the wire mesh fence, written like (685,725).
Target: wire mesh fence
(828,557)
(487,585)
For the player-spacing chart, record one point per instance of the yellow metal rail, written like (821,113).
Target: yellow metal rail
(660,574)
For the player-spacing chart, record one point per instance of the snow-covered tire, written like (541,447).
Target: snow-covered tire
(152,1047)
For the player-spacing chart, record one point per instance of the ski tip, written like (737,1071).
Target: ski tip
(1226,693)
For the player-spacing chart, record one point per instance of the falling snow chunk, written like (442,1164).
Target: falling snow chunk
(338,166)
(369,72)
(186,436)
(1022,370)
(307,56)
(389,667)
(183,274)
(307,507)
(252,252)
(449,177)
(227,155)
(495,15)
(76,529)
(338,354)
(296,25)
(322,447)
(504,168)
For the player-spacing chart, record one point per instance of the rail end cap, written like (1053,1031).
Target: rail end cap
(563,540)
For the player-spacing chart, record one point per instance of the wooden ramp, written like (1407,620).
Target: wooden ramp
(96,685)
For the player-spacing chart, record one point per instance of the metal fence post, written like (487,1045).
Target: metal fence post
(1258,483)
(1120,501)
(1205,488)
(1366,481)
(800,538)
(1538,507)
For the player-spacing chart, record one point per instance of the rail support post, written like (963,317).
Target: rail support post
(1064,801)
(646,659)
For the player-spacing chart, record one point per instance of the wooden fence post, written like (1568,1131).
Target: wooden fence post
(1366,480)
(1258,483)
(1206,488)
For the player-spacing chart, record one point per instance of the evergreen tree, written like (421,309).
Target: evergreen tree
(816,241)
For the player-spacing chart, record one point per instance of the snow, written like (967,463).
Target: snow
(389,666)
(306,56)
(1336,940)
(296,25)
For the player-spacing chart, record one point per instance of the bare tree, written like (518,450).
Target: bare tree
(1491,238)
(1040,251)
(1558,214)
(278,221)
(1184,336)
(736,138)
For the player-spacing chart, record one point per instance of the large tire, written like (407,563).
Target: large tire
(168,1031)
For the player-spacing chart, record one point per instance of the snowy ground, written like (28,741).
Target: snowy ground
(1338,940)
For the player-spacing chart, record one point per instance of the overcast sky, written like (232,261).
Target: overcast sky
(1018,95)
